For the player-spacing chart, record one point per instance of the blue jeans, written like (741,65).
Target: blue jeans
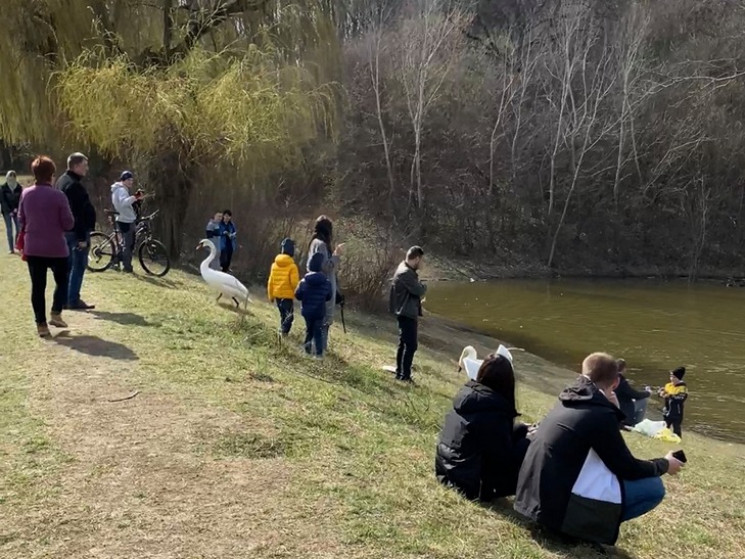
(78,260)
(641,496)
(286,314)
(11,220)
(314,334)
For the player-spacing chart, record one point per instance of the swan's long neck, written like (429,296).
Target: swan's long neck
(212,255)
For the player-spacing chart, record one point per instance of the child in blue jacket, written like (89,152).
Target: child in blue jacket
(313,292)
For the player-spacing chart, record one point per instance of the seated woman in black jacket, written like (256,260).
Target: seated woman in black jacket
(481,448)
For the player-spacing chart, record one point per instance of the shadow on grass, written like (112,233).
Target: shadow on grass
(232,308)
(125,319)
(95,346)
(160,282)
(551,541)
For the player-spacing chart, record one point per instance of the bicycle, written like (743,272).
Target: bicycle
(152,254)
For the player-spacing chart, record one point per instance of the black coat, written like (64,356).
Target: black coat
(406,293)
(80,204)
(9,199)
(479,451)
(626,397)
(572,478)
(313,292)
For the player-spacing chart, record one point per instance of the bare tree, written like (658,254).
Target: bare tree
(374,51)
(430,45)
(580,123)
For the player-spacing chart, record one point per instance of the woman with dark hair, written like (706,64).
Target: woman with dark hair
(481,448)
(322,241)
(44,215)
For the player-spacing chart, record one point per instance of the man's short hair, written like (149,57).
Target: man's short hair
(75,159)
(414,252)
(600,368)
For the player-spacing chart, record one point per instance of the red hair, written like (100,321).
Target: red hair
(43,169)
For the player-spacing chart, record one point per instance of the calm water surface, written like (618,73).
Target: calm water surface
(655,326)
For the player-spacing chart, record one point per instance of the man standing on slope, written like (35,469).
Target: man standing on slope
(123,203)
(579,478)
(78,240)
(406,303)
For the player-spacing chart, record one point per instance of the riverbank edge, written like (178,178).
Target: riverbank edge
(439,268)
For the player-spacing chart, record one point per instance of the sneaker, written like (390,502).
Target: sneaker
(43,331)
(81,306)
(407,380)
(307,347)
(56,321)
(318,357)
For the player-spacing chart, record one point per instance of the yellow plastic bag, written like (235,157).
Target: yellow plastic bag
(667,435)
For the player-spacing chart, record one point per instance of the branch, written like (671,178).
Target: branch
(205,16)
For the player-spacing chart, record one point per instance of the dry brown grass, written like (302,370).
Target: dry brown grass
(237,448)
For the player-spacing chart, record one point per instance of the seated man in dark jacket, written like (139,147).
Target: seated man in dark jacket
(480,448)
(579,478)
(633,403)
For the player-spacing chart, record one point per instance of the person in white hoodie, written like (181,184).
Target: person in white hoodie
(123,203)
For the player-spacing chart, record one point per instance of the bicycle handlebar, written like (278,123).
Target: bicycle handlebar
(150,217)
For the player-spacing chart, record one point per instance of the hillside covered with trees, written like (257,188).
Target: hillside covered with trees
(604,136)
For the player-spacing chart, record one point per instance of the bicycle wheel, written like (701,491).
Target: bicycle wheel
(153,258)
(102,252)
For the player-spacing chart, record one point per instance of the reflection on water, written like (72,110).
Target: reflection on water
(655,326)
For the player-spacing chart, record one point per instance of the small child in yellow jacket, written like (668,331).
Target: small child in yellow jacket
(283,281)
(675,393)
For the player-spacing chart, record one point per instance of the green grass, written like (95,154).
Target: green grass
(236,447)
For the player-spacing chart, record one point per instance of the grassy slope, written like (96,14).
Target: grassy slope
(237,448)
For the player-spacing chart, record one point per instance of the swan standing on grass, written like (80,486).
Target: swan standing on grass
(471,363)
(223,283)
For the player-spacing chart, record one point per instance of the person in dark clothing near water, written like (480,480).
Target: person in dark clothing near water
(227,240)
(78,239)
(10,197)
(481,448)
(633,403)
(406,303)
(313,292)
(579,478)
(675,393)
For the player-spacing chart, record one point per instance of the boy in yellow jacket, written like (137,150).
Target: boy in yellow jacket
(675,393)
(283,281)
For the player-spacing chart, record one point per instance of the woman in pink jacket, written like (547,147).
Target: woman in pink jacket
(44,215)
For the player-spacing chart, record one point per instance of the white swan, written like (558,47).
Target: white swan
(223,283)
(471,363)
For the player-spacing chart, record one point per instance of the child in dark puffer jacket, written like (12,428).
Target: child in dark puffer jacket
(313,292)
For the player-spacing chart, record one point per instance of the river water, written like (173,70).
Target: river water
(655,326)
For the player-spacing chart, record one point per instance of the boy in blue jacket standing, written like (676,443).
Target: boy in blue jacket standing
(313,292)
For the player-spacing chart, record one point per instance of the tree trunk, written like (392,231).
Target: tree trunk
(172,186)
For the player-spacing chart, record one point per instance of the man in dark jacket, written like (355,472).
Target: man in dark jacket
(406,303)
(579,478)
(78,240)
(633,403)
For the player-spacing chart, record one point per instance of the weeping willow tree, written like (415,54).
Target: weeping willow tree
(172,86)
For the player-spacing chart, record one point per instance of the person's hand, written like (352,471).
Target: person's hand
(82,245)
(612,398)
(339,249)
(675,465)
